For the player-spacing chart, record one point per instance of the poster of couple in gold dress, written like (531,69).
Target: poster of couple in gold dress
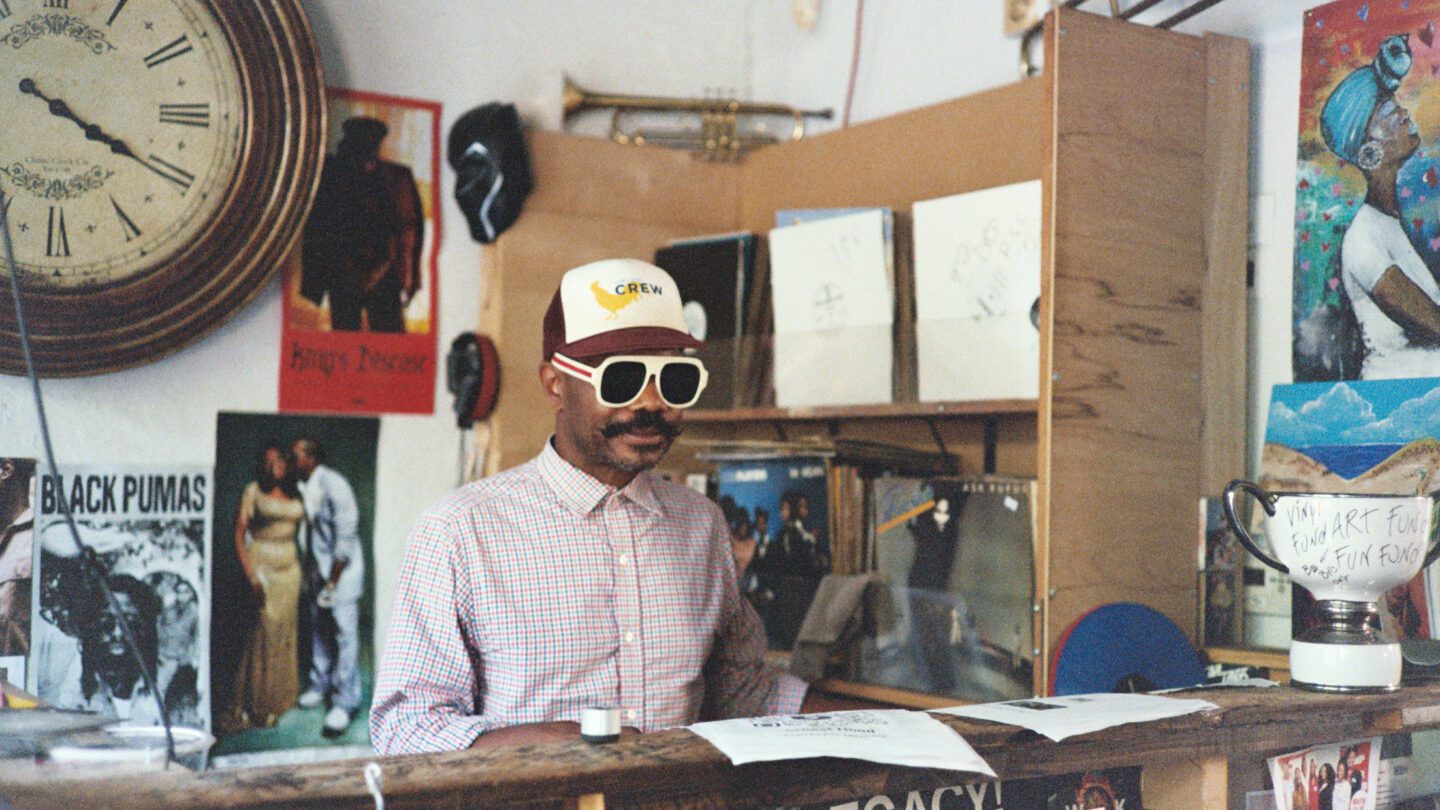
(293,585)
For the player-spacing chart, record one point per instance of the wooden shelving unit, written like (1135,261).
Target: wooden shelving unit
(1140,139)
(904,410)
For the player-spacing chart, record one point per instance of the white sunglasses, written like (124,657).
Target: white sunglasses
(620,380)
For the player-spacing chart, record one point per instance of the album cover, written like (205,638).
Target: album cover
(149,529)
(1222,579)
(833,291)
(713,276)
(778,511)
(1336,775)
(977,292)
(17,524)
(957,558)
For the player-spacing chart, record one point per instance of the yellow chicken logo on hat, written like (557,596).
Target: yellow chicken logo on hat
(624,296)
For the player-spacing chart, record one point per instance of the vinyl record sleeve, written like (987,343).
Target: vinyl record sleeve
(713,276)
(783,505)
(954,617)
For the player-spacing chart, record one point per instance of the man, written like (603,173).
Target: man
(362,243)
(109,679)
(336,578)
(1393,294)
(17,524)
(578,579)
(932,608)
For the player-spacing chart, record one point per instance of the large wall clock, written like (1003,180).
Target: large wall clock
(157,159)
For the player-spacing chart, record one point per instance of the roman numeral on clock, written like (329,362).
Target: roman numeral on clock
(179,47)
(65,4)
(57,242)
(171,172)
(4,9)
(5,209)
(190,115)
(126,225)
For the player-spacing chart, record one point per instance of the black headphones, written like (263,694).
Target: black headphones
(472,374)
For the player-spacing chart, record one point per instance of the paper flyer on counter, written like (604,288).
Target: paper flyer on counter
(1061,717)
(890,736)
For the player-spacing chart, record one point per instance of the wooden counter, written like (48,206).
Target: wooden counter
(677,769)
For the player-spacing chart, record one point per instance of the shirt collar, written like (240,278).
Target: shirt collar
(582,493)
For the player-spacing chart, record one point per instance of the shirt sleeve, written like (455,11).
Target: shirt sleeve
(347,517)
(738,682)
(425,689)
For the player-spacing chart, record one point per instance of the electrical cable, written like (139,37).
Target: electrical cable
(375,783)
(854,64)
(88,560)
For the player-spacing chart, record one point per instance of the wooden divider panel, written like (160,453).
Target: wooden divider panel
(1121,417)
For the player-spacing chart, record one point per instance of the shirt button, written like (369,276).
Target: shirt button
(630,714)
(624,559)
(629,637)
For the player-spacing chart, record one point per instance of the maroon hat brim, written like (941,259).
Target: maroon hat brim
(634,339)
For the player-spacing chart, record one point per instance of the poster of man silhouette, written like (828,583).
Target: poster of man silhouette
(360,287)
(144,531)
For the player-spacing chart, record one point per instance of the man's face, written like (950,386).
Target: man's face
(612,444)
(303,461)
(1396,132)
(111,636)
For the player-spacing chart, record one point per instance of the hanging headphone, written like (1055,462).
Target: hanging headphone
(472,374)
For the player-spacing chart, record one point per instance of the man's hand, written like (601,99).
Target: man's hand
(533,733)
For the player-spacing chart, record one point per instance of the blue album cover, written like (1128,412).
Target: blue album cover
(778,513)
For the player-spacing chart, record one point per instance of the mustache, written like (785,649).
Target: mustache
(644,420)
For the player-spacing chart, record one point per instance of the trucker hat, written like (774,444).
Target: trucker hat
(615,306)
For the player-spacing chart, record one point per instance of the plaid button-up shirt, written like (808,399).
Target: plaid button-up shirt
(530,595)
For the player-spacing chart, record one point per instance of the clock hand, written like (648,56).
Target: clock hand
(93,132)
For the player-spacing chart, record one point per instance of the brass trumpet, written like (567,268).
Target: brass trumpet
(719,136)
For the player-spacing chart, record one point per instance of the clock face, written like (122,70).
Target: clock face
(121,136)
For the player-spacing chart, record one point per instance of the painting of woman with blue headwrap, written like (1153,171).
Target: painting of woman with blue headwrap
(1367,242)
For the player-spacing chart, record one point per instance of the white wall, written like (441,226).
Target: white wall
(468,53)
